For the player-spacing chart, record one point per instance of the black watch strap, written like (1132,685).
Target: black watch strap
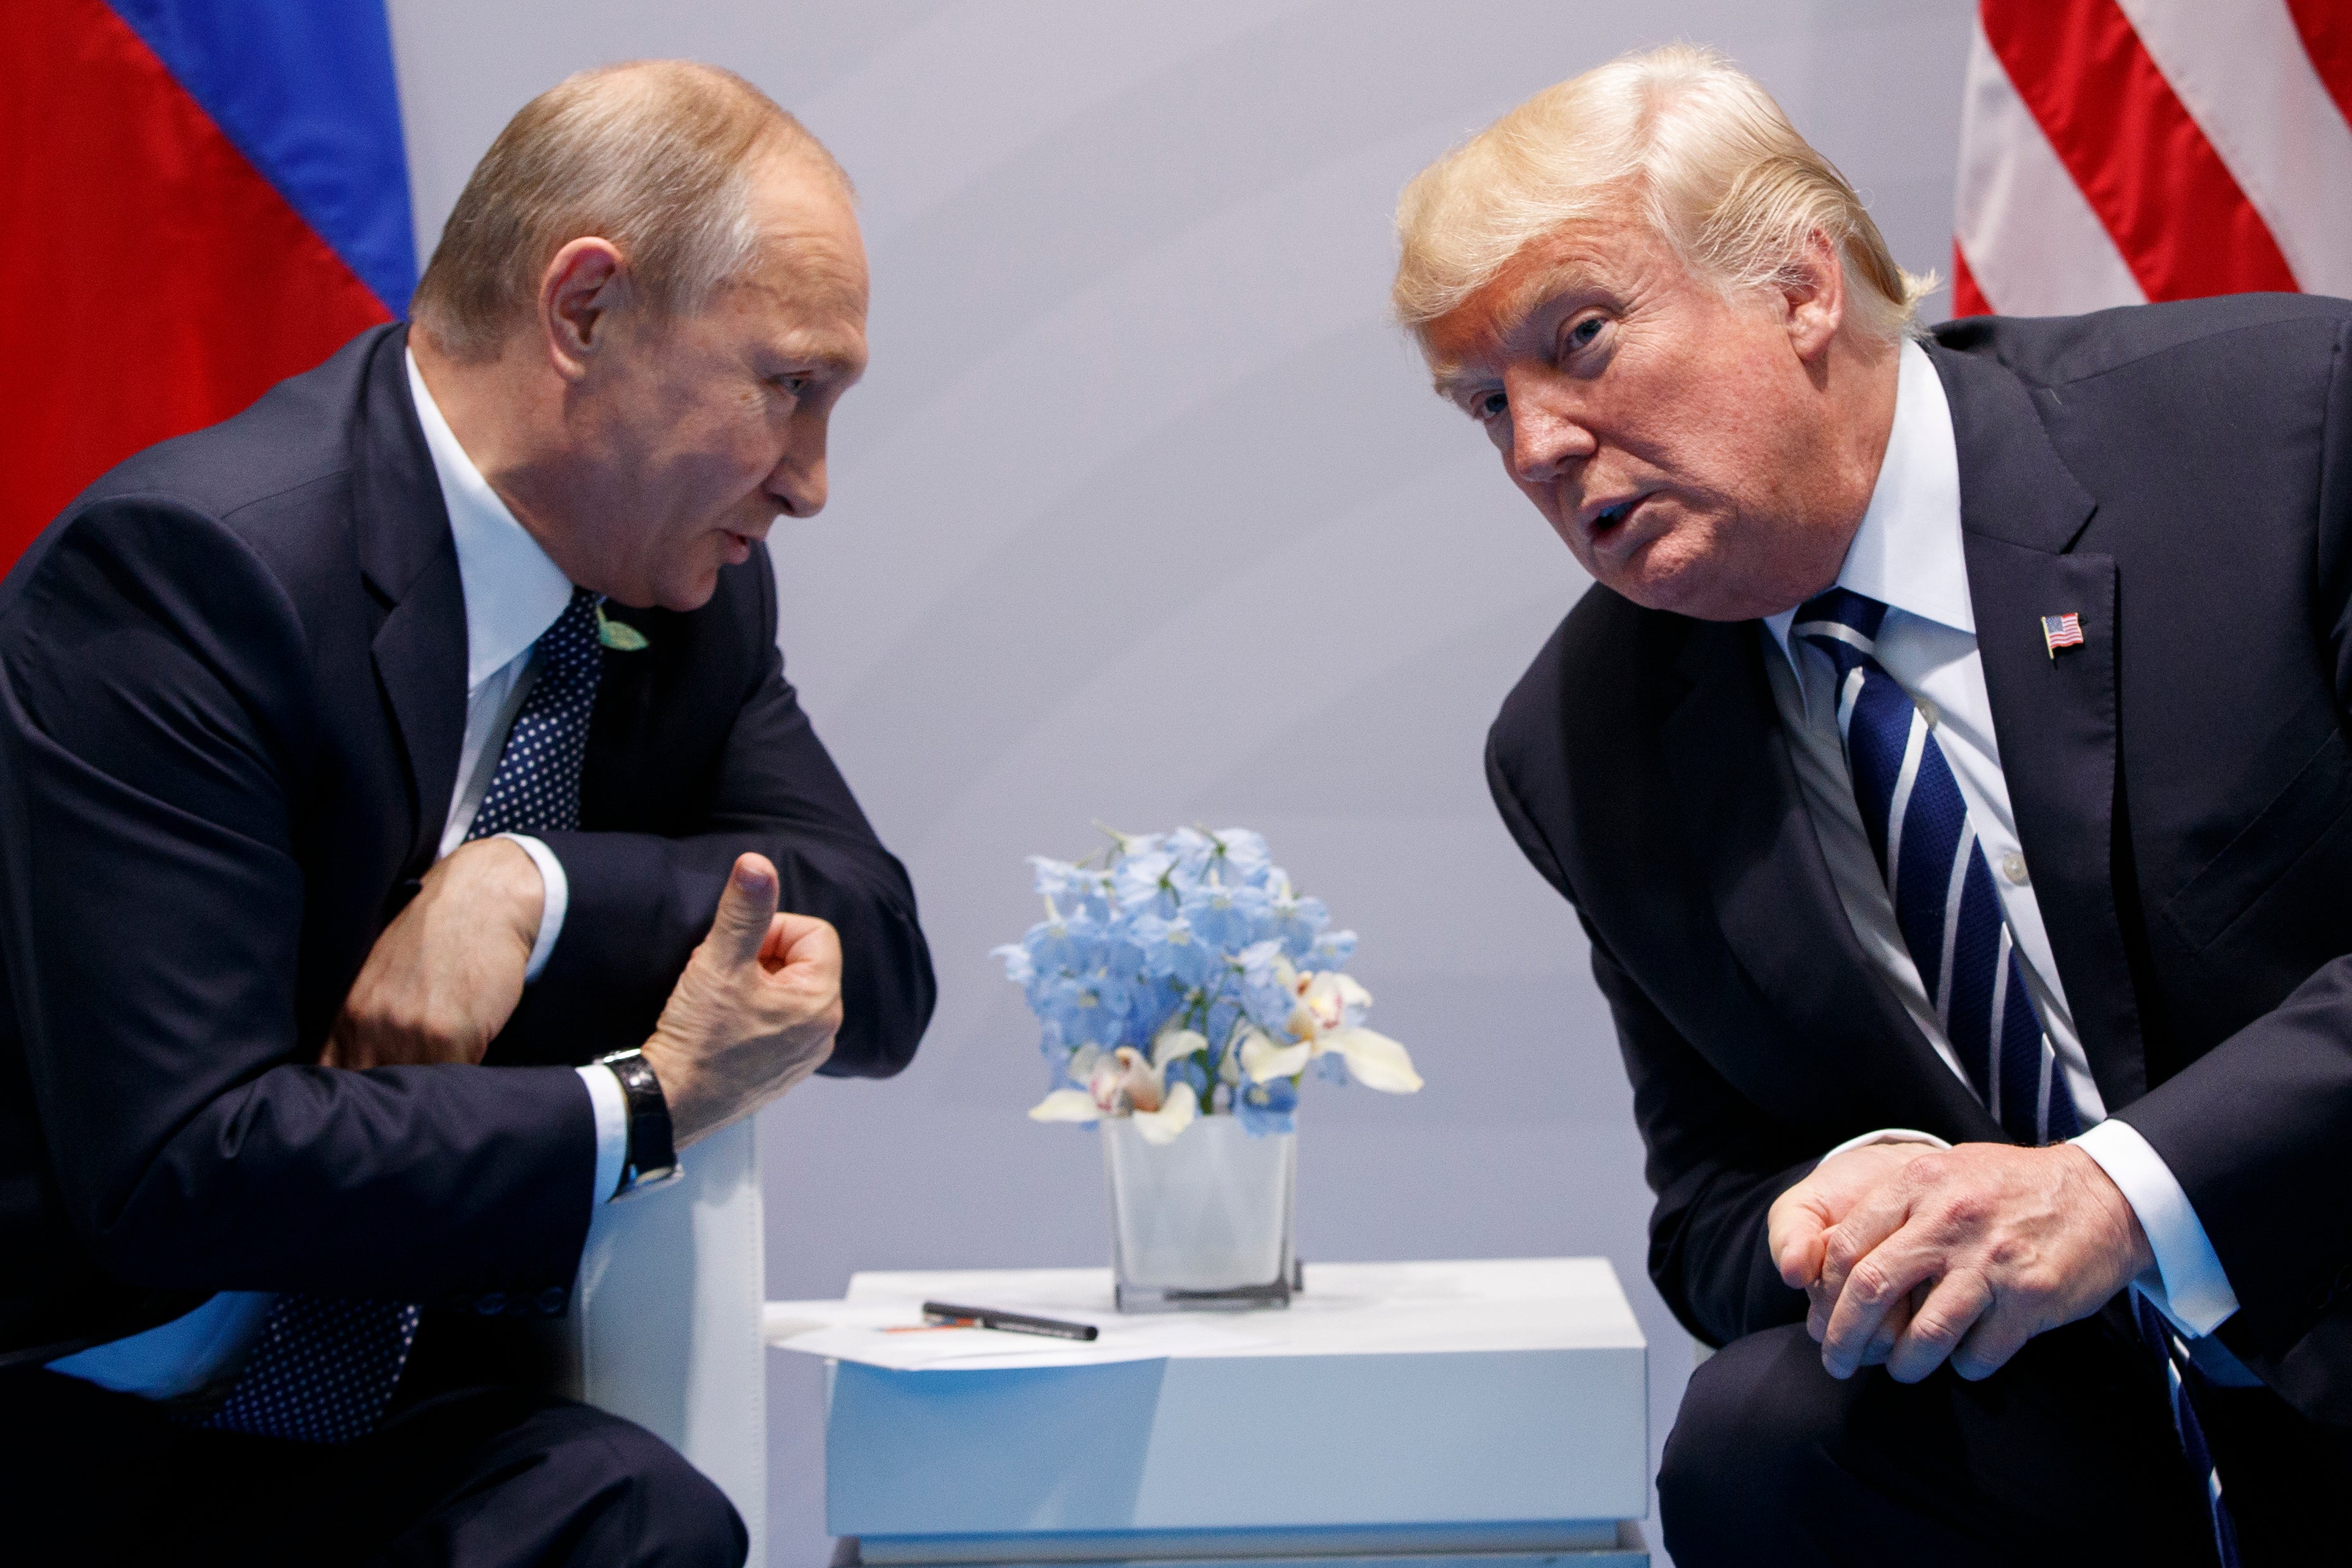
(652,1160)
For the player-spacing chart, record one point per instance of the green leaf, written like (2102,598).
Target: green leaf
(619,636)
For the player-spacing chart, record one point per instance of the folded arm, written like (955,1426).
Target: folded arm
(638,901)
(156,733)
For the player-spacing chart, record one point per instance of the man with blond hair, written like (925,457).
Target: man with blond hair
(1949,767)
(410,843)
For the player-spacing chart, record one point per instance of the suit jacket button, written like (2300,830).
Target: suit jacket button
(491,1305)
(551,1299)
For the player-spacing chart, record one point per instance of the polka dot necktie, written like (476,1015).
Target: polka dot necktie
(1951,923)
(537,787)
(325,1366)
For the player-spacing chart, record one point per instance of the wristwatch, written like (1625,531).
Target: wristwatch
(651,1161)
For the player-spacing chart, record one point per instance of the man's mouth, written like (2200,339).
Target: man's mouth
(1603,522)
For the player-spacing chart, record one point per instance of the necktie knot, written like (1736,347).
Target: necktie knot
(1843,625)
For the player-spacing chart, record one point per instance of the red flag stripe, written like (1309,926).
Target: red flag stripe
(2326,29)
(1967,299)
(153,281)
(2181,222)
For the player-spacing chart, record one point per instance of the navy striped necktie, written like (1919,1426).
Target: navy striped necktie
(1936,873)
(325,1366)
(1951,921)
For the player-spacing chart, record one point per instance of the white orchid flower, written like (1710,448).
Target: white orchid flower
(1139,1081)
(1374,1060)
(1104,1083)
(1264,1059)
(1325,1000)
(1160,1126)
(1067,1105)
(1174,1045)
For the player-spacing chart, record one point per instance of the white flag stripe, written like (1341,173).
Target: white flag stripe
(2243,74)
(2030,239)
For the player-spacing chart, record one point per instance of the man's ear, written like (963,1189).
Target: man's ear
(1813,286)
(580,291)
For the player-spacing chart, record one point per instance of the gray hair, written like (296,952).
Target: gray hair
(651,155)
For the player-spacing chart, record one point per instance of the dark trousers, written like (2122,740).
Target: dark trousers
(2065,1456)
(476,1477)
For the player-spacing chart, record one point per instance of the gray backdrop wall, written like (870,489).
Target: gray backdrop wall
(1144,514)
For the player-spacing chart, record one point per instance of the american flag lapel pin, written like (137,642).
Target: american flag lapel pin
(2061,632)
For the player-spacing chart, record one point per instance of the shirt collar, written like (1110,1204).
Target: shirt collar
(513,591)
(1908,554)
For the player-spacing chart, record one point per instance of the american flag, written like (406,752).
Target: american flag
(2061,632)
(2119,150)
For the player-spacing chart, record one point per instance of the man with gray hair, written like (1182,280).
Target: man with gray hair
(409,844)
(1949,767)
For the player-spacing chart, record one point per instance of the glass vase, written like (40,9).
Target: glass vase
(1202,1223)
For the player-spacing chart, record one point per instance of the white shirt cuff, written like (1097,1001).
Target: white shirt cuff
(556,901)
(612,1102)
(1886,1135)
(2190,1289)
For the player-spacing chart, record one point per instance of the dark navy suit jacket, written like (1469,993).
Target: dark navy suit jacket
(2181,475)
(232,695)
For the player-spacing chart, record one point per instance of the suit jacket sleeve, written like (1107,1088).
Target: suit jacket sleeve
(159,741)
(1715,1161)
(640,902)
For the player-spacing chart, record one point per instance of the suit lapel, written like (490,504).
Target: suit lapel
(1780,911)
(411,564)
(2054,715)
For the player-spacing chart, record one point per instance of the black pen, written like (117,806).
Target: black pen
(1009,1322)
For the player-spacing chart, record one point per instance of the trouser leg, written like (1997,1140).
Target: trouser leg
(2064,1456)
(480,1478)
(492,1476)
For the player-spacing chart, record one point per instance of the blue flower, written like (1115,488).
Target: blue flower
(1227,918)
(1146,884)
(1333,949)
(1169,948)
(1296,922)
(1266,1108)
(1265,986)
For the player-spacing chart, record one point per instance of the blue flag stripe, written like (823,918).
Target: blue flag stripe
(305,89)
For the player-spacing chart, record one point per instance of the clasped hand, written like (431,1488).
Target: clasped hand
(1913,1256)
(754,1013)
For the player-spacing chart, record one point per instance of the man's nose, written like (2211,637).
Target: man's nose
(797,482)
(1547,436)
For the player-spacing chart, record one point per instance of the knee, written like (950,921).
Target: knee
(671,1515)
(1755,1423)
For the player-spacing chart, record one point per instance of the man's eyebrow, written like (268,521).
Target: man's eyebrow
(1452,383)
(1451,380)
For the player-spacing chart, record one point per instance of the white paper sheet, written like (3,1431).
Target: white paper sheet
(892,1334)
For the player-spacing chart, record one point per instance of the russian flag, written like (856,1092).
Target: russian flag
(201,198)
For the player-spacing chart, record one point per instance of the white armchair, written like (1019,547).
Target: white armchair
(666,1325)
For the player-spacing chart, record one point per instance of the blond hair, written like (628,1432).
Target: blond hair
(1694,142)
(651,155)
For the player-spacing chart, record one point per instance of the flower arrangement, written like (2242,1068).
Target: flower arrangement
(1182,977)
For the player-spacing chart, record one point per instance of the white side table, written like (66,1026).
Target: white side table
(1397,1413)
